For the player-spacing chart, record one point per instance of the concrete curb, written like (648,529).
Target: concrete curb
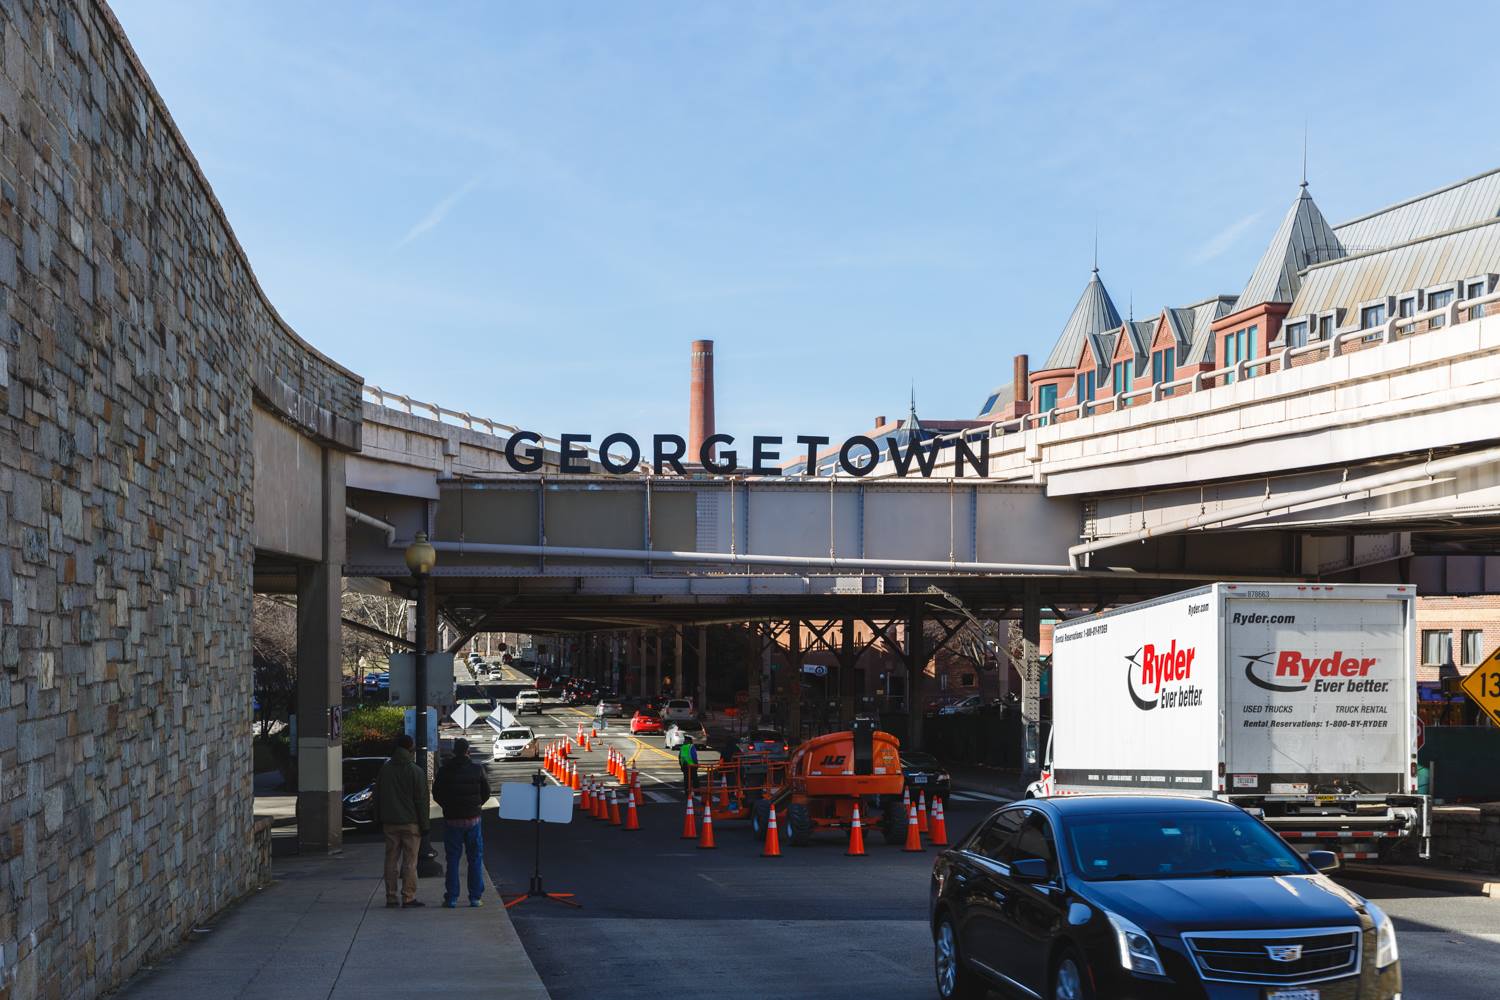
(1434,879)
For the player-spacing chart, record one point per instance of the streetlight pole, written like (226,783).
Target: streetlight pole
(420,558)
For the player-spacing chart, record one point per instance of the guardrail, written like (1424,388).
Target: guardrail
(1393,329)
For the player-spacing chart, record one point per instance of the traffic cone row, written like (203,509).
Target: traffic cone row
(939,825)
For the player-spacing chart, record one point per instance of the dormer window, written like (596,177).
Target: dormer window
(1440,298)
(1296,334)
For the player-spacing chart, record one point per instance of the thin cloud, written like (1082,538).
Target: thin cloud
(1224,239)
(437,214)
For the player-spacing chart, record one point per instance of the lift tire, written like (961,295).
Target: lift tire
(799,825)
(893,822)
(760,818)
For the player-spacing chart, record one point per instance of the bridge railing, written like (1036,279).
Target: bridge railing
(1339,343)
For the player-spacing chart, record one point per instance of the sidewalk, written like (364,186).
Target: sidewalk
(322,930)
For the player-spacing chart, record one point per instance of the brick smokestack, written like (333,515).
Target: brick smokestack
(701,398)
(1023,377)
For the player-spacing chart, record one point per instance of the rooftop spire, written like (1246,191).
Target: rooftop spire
(1304,154)
(1096,247)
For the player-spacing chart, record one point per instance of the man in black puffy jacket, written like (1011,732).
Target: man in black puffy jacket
(462,788)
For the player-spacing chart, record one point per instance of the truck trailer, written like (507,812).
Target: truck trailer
(1296,702)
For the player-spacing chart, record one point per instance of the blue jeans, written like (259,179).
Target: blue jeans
(457,840)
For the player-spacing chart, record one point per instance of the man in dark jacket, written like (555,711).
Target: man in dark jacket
(401,809)
(462,788)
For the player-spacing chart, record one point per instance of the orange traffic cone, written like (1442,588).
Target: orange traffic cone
(689,827)
(631,821)
(576,780)
(601,804)
(614,809)
(586,800)
(906,800)
(913,832)
(724,795)
(856,835)
(939,825)
(922,811)
(635,786)
(773,839)
(706,835)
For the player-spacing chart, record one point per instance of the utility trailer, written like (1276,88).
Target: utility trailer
(1296,702)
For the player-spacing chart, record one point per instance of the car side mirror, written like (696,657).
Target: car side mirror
(1030,870)
(1324,861)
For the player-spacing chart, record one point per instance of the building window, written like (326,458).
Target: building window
(1121,376)
(1476,290)
(1371,316)
(1239,346)
(1437,647)
(1473,641)
(1085,387)
(1296,334)
(1406,306)
(1325,327)
(1439,300)
(967,680)
(1164,366)
(989,404)
(1046,398)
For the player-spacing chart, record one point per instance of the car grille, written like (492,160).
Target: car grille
(1245,956)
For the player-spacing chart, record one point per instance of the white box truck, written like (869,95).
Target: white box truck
(1296,702)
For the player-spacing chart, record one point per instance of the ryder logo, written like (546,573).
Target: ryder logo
(1152,667)
(1291,671)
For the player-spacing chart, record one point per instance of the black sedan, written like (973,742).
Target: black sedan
(359,789)
(1132,896)
(924,773)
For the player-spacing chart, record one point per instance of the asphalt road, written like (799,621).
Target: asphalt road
(662,918)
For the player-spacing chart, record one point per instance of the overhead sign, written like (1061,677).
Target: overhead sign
(620,454)
(1483,686)
(464,716)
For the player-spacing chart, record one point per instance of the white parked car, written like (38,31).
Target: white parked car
(529,701)
(685,731)
(517,743)
(678,710)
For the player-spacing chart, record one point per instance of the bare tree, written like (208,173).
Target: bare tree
(274,651)
(382,612)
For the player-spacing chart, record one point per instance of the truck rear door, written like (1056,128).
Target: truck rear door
(1316,698)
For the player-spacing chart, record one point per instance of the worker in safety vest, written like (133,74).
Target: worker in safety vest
(687,758)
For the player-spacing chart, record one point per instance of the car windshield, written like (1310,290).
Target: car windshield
(647,716)
(921,761)
(677,703)
(515,734)
(1167,846)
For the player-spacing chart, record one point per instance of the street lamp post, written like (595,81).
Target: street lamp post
(420,558)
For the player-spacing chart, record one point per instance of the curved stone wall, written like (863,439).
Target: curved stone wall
(134,341)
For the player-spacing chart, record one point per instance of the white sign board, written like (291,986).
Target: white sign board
(495,723)
(403,668)
(518,800)
(432,720)
(507,720)
(464,716)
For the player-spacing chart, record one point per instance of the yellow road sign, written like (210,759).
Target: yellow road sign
(1483,686)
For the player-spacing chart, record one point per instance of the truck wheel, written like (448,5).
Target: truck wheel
(893,823)
(799,825)
(760,818)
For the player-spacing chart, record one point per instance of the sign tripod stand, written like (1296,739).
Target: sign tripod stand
(536,890)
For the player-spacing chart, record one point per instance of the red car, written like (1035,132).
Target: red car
(644,722)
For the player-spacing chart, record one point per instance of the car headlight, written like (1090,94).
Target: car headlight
(1385,936)
(364,796)
(1137,951)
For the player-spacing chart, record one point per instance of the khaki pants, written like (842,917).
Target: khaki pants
(402,841)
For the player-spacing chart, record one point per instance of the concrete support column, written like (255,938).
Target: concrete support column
(679,680)
(794,656)
(1031,680)
(320,782)
(916,665)
(702,689)
(656,661)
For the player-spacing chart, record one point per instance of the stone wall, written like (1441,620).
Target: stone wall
(1467,837)
(133,340)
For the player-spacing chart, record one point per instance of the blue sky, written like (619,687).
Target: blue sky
(528,210)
